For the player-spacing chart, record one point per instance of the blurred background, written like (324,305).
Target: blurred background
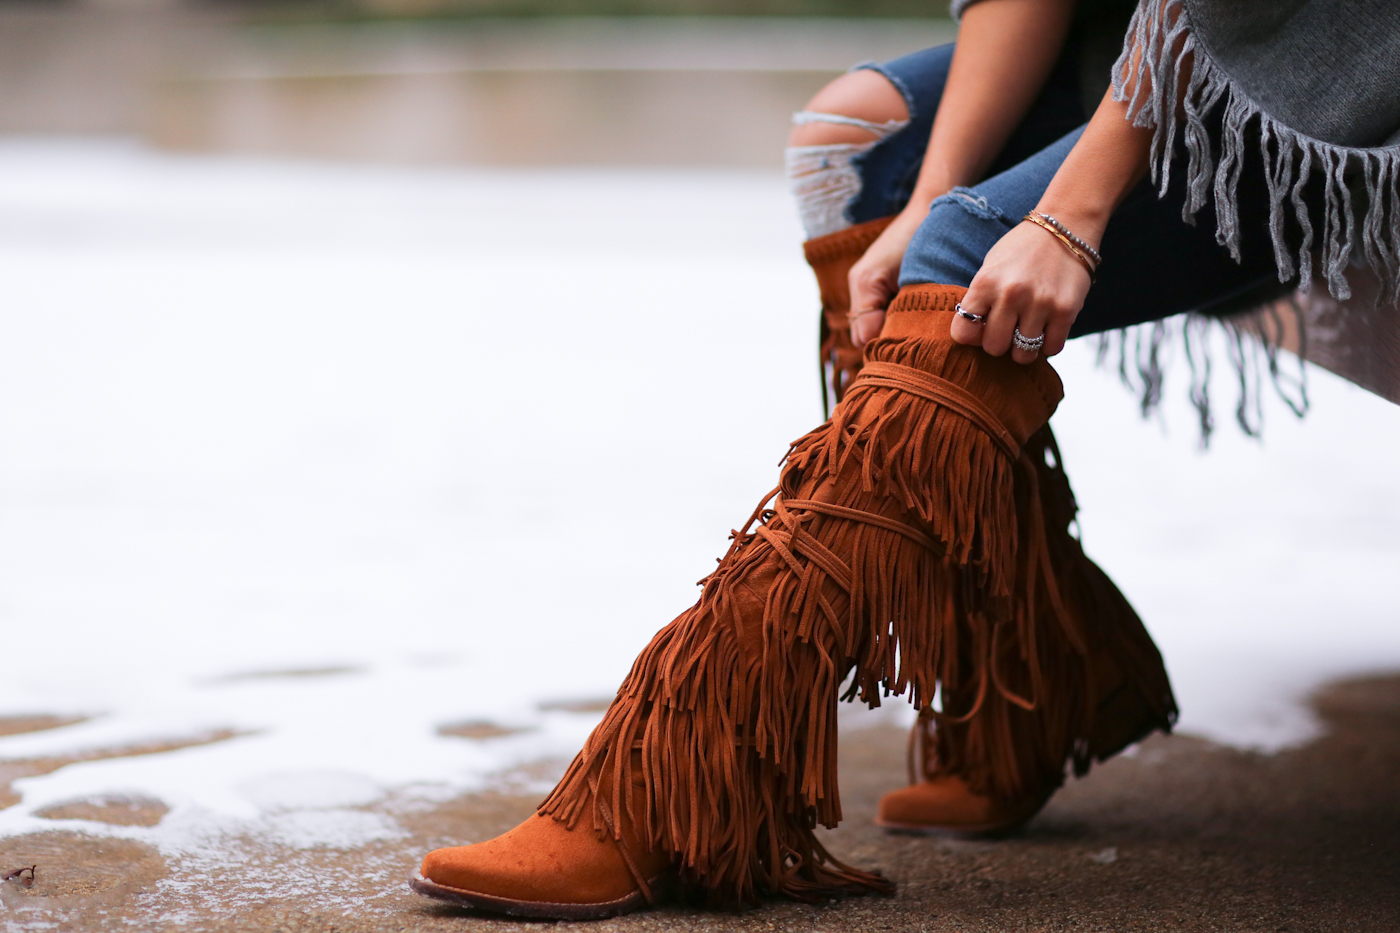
(376,377)
(352,355)
(515,82)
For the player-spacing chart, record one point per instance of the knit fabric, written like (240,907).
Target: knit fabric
(1309,84)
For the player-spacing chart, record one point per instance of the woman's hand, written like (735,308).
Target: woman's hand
(1005,52)
(1028,282)
(874,279)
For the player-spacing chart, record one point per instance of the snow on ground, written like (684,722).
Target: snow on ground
(454,443)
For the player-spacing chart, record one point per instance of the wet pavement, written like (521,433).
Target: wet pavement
(1179,835)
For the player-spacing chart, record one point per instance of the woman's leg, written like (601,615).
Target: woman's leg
(844,121)
(844,200)
(1154,266)
(904,535)
(853,160)
(877,168)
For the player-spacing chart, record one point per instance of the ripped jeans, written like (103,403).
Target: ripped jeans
(1154,264)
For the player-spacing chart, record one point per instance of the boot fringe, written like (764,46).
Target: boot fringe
(907,546)
(1110,686)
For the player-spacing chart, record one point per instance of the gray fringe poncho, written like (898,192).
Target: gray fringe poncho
(1314,85)
(1321,81)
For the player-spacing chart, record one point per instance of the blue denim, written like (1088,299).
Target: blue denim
(979,216)
(890,170)
(1154,264)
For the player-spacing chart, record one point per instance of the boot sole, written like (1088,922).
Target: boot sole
(538,910)
(982,831)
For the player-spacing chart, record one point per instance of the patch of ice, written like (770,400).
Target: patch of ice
(310,790)
(337,829)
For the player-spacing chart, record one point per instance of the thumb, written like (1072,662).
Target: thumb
(866,327)
(864,294)
(869,298)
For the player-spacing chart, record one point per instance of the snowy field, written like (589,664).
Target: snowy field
(332,457)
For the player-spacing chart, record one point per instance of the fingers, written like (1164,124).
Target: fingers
(870,295)
(1030,325)
(1056,333)
(1050,318)
(1012,301)
(1024,357)
(1026,285)
(866,327)
(1017,312)
(874,279)
(1013,309)
(981,299)
(964,330)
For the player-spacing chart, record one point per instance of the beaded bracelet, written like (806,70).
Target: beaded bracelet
(1075,251)
(1093,253)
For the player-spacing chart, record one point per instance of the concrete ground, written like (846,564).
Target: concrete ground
(1180,835)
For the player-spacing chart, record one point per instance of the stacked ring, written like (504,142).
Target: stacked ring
(1029,344)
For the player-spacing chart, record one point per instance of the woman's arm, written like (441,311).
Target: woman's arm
(1028,279)
(1005,52)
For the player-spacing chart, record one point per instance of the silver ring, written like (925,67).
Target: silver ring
(974,318)
(1022,342)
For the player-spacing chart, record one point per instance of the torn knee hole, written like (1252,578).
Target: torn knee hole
(973,203)
(851,129)
(824,178)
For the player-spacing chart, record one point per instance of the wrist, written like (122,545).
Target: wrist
(1088,222)
(908,220)
(926,191)
(917,205)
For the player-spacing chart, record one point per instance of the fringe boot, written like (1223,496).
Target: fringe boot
(906,546)
(988,760)
(909,548)
(954,758)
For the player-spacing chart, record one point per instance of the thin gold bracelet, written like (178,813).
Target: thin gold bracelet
(1074,251)
(1093,253)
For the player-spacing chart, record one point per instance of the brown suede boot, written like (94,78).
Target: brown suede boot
(831,258)
(545,870)
(959,757)
(906,547)
(947,804)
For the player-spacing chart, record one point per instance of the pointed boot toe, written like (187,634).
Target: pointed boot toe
(543,870)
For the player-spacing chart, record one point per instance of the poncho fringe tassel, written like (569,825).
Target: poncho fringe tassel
(1151,85)
(1173,86)
(1252,342)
